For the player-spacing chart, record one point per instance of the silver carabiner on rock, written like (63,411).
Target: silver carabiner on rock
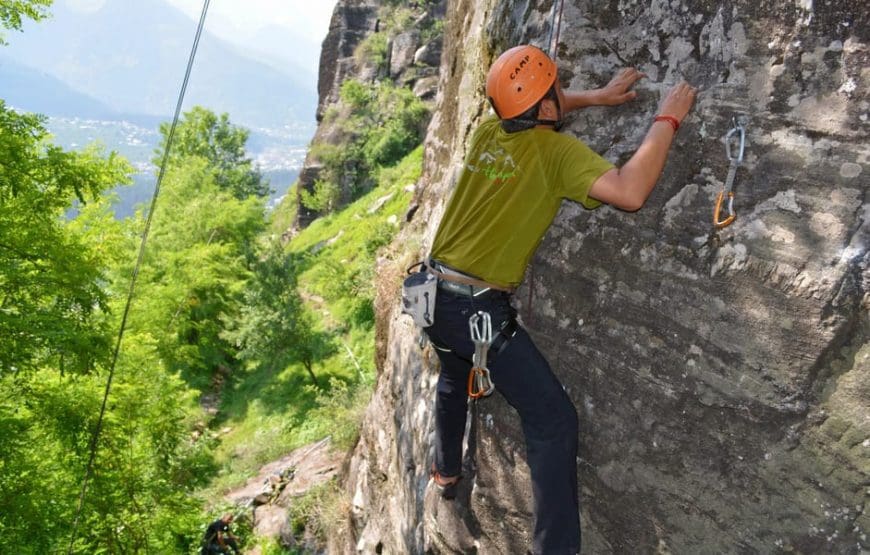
(741,141)
(737,136)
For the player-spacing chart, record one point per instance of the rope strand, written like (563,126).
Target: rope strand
(552,41)
(95,438)
(555,29)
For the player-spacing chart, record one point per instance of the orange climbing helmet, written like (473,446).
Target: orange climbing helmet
(519,79)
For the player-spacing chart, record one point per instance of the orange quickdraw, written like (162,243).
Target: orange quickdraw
(719,224)
(479,382)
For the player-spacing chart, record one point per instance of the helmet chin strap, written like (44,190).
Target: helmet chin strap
(557,123)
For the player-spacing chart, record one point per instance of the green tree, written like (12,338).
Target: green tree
(201,132)
(274,325)
(147,468)
(13,13)
(62,282)
(140,495)
(196,269)
(309,345)
(50,281)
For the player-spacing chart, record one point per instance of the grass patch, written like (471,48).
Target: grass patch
(269,409)
(320,510)
(284,215)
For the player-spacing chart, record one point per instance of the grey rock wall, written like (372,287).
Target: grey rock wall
(352,21)
(722,379)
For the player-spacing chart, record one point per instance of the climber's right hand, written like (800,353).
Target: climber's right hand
(679,101)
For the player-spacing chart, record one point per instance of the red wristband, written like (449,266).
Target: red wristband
(675,123)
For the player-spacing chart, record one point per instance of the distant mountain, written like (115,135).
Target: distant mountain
(34,91)
(131,57)
(273,45)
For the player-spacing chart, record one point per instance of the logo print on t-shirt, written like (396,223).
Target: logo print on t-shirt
(497,165)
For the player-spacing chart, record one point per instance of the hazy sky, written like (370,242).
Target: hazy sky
(306,23)
(305,18)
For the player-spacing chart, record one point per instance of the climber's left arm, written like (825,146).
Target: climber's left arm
(614,93)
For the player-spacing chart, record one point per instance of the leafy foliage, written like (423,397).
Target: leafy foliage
(383,123)
(196,269)
(63,285)
(202,133)
(324,198)
(374,50)
(274,325)
(51,298)
(387,118)
(140,498)
(13,13)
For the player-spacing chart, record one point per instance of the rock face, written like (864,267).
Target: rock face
(722,379)
(352,22)
(277,485)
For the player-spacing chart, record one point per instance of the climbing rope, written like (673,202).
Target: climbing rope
(555,28)
(737,137)
(552,44)
(96,435)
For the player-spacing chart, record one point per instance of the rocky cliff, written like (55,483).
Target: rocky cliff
(722,378)
(407,54)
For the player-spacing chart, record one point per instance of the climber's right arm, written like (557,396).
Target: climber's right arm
(628,187)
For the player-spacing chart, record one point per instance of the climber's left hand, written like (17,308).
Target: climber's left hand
(618,90)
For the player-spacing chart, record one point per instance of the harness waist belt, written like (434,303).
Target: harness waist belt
(465,290)
(447,274)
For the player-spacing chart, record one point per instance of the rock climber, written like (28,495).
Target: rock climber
(218,538)
(517,171)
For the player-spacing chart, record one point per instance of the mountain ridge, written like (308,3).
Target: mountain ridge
(130,58)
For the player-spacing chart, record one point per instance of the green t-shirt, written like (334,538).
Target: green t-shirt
(507,196)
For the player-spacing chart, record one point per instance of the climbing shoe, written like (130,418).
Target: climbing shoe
(446,487)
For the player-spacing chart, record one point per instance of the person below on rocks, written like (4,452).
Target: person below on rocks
(516,173)
(218,538)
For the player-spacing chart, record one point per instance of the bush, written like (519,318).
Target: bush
(355,94)
(324,198)
(386,123)
(373,49)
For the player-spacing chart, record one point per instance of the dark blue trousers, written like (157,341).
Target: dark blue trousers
(549,419)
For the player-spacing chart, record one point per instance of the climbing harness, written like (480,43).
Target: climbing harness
(468,284)
(479,382)
(736,136)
